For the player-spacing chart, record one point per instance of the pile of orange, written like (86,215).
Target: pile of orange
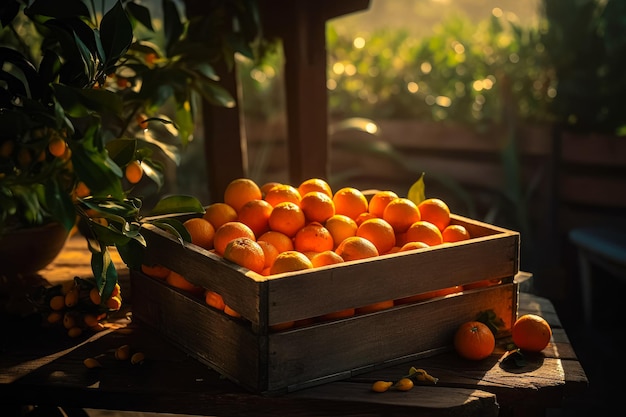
(277,228)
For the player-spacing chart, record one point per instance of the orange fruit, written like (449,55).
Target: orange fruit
(474,340)
(133,172)
(230,311)
(341,227)
(82,190)
(350,202)
(370,308)
(219,213)
(282,326)
(379,232)
(531,332)
(279,240)
(455,233)
(202,232)
(413,245)
(379,201)
(155,271)
(281,193)
(317,206)
(401,213)
(435,211)
(313,238)
(430,294)
(364,216)
(356,247)
(290,261)
(229,231)
(245,252)
(57,146)
(267,186)
(241,190)
(423,231)
(256,215)
(269,252)
(287,217)
(315,184)
(178,281)
(214,300)
(324,258)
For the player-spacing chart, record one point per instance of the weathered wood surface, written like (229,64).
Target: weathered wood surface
(42,366)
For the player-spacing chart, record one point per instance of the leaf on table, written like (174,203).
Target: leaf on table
(514,358)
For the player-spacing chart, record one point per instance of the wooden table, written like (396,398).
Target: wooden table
(45,367)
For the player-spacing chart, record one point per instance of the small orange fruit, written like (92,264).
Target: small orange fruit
(290,261)
(57,146)
(315,184)
(324,258)
(267,186)
(356,247)
(430,294)
(281,193)
(401,213)
(287,217)
(214,300)
(269,251)
(435,211)
(155,271)
(133,172)
(219,213)
(379,232)
(229,231)
(313,238)
(82,190)
(342,314)
(202,232)
(256,215)
(245,252)
(455,233)
(413,245)
(379,201)
(350,202)
(279,240)
(178,281)
(364,216)
(229,311)
(341,227)
(531,332)
(474,340)
(241,190)
(423,231)
(317,206)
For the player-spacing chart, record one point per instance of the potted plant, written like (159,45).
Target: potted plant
(92,99)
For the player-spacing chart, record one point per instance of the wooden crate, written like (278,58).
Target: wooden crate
(248,352)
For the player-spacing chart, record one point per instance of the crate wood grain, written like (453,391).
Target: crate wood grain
(247,350)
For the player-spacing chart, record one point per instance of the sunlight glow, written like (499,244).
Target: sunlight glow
(426,67)
(443,101)
(371,128)
(412,87)
(358,42)
(338,68)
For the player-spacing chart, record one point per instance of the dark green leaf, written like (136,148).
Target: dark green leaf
(70,8)
(177,204)
(173,226)
(514,358)
(140,13)
(116,33)
(171,23)
(215,94)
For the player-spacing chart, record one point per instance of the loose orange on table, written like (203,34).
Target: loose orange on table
(531,332)
(474,340)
